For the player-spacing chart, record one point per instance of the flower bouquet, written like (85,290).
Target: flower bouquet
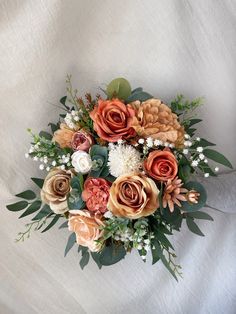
(120,174)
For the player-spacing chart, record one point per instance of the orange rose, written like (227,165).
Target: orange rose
(87,228)
(161,165)
(113,120)
(133,196)
(63,136)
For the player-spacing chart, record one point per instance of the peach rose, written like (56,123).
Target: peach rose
(55,190)
(87,227)
(96,194)
(133,196)
(63,136)
(161,165)
(113,120)
(81,140)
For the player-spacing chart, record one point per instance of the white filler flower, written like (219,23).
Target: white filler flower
(81,161)
(123,159)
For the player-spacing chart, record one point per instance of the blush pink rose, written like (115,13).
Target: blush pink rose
(96,194)
(81,140)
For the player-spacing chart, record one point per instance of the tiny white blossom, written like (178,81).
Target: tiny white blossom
(200,149)
(141,141)
(194,163)
(139,247)
(201,156)
(54,163)
(157,142)
(35,158)
(206,175)
(198,139)
(76,118)
(217,169)
(48,168)
(206,161)
(63,167)
(149,142)
(31,150)
(26,155)
(120,141)
(171,145)
(108,214)
(185,151)
(41,167)
(187,136)
(166,144)
(73,112)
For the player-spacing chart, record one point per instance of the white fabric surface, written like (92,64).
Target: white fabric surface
(168,47)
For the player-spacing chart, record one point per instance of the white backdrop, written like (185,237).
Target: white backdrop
(168,47)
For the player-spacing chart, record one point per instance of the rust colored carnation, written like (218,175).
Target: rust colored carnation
(173,194)
(133,196)
(63,136)
(113,120)
(161,165)
(96,194)
(155,119)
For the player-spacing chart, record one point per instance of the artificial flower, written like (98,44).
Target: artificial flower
(173,193)
(63,136)
(192,197)
(81,161)
(87,227)
(113,120)
(123,159)
(55,190)
(155,119)
(81,140)
(96,194)
(161,165)
(133,196)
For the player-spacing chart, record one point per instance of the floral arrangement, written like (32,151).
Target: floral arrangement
(119,174)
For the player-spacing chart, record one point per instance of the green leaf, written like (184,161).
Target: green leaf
(52,223)
(196,186)
(217,157)
(84,260)
(96,258)
(46,135)
(155,256)
(64,225)
(207,169)
(200,215)
(193,226)
(112,254)
(163,239)
(174,219)
(202,143)
(139,95)
(63,102)
(17,206)
(27,195)
(163,258)
(194,121)
(39,182)
(35,206)
(119,88)
(54,127)
(160,198)
(43,212)
(184,172)
(70,243)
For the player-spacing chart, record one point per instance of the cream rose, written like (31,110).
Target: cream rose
(87,227)
(55,190)
(81,161)
(133,196)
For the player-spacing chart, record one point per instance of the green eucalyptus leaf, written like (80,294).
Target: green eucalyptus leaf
(193,226)
(46,210)
(217,157)
(39,182)
(198,187)
(46,135)
(96,258)
(54,127)
(163,240)
(64,225)
(200,215)
(35,206)
(112,254)
(17,206)
(52,223)
(118,88)
(70,243)
(139,95)
(84,260)
(27,195)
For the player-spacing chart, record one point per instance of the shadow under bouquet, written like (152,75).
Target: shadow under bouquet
(119,174)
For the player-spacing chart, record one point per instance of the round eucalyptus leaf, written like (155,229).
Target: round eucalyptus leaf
(119,88)
(196,186)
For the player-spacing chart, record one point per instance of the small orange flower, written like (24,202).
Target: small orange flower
(63,136)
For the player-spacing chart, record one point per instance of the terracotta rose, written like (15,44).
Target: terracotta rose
(87,227)
(133,196)
(113,120)
(161,165)
(55,190)
(96,194)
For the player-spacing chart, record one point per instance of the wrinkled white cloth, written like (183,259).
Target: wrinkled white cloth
(168,47)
